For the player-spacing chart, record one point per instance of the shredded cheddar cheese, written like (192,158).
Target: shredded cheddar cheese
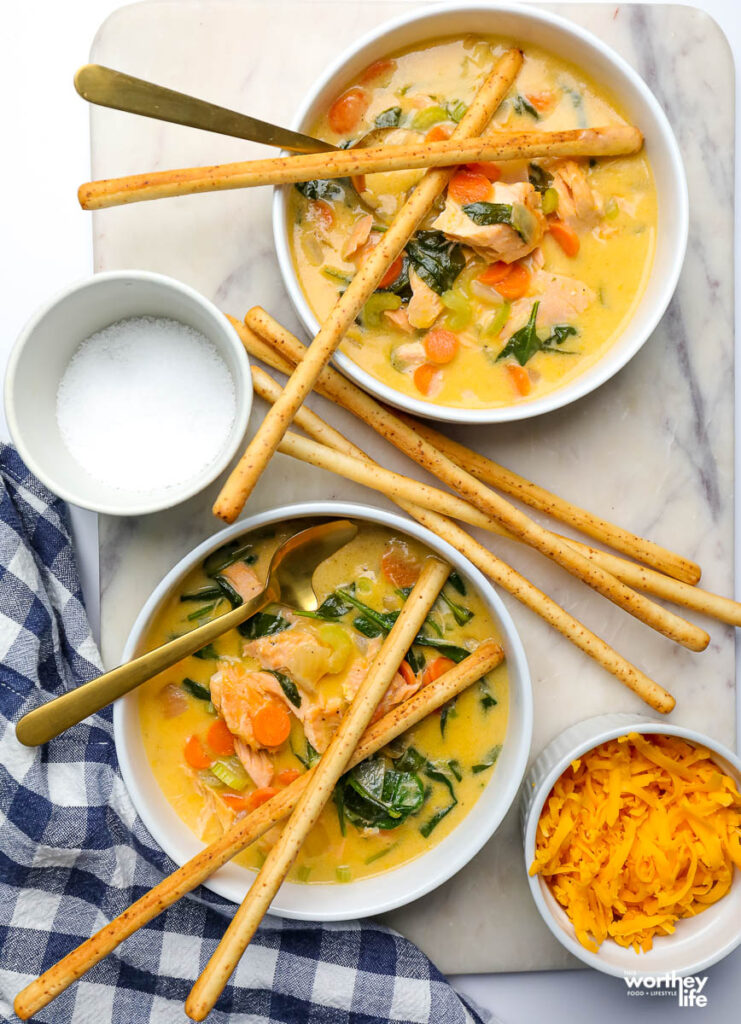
(636,834)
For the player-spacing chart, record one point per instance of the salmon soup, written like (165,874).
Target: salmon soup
(229,727)
(523,274)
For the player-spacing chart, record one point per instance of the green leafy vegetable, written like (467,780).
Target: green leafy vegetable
(461,614)
(234,598)
(288,687)
(446,711)
(400,286)
(558,335)
(375,794)
(437,260)
(200,613)
(524,343)
(456,110)
(204,594)
(486,697)
(228,554)
(321,188)
(196,689)
(489,760)
(520,105)
(372,623)
(438,773)
(489,213)
(416,660)
(309,759)
(539,178)
(263,624)
(455,769)
(380,853)
(457,582)
(207,653)
(336,275)
(390,118)
(435,820)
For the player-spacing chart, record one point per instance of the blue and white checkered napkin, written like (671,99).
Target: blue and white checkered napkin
(73,853)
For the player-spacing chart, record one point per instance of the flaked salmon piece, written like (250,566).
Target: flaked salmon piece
(411,353)
(297,651)
(425,305)
(498,241)
(399,318)
(256,763)
(213,807)
(320,721)
(244,580)
(358,236)
(237,694)
(399,689)
(579,206)
(561,300)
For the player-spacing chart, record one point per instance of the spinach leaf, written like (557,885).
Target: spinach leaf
(416,661)
(520,105)
(435,820)
(486,697)
(539,177)
(524,343)
(309,759)
(382,620)
(367,628)
(207,653)
(400,286)
(321,188)
(446,711)
(196,689)
(461,614)
(437,773)
(455,769)
(331,609)
(228,554)
(489,213)
(558,335)
(489,760)
(201,612)
(288,687)
(448,648)
(228,591)
(456,581)
(437,260)
(390,118)
(203,594)
(376,794)
(263,624)
(372,623)
(410,760)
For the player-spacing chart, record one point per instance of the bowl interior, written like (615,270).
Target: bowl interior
(44,350)
(367,896)
(697,942)
(635,101)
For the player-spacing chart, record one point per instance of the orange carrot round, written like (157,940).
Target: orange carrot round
(437,668)
(424,375)
(566,237)
(520,378)
(399,567)
(261,796)
(287,776)
(440,345)
(542,101)
(392,273)
(195,754)
(439,132)
(236,801)
(495,273)
(407,673)
(220,739)
(347,110)
(489,170)
(515,284)
(271,724)
(468,187)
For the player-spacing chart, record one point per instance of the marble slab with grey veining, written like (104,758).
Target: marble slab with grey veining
(652,449)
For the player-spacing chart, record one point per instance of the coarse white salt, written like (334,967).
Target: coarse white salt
(146,404)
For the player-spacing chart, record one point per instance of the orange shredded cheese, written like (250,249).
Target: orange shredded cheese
(636,834)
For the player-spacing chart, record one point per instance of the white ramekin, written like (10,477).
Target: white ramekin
(564,38)
(698,942)
(366,896)
(43,351)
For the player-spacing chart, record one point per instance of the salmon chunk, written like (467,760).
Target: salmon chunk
(425,305)
(237,694)
(319,718)
(561,300)
(256,763)
(297,651)
(358,236)
(399,318)
(579,206)
(498,241)
(244,580)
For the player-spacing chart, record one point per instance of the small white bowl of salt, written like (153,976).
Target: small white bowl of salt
(128,393)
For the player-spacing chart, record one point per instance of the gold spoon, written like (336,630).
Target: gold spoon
(289,579)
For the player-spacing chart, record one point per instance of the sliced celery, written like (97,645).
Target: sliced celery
(374,308)
(425,119)
(550,201)
(460,312)
(230,771)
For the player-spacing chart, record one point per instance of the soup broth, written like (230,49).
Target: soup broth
(522,276)
(229,728)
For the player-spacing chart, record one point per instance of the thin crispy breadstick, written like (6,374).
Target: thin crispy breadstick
(497,570)
(407,440)
(312,801)
(242,833)
(243,478)
(531,494)
(610,140)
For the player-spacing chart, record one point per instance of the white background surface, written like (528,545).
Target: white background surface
(46,245)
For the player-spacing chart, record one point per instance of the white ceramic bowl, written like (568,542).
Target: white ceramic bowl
(48,342)
(366,896)
(698,942)
(562,37)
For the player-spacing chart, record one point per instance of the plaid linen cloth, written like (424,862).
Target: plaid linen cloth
(73,853)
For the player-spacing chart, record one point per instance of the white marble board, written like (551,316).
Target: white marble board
(652,449)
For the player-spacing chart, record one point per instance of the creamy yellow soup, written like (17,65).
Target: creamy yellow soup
(525,303)
(200,719)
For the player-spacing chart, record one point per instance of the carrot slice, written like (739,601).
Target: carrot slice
(195,754)
(261,796)
(440,346)
(236,801)
(321,212)
(392,273)
(566,237)
(439,132)
(287,776)
(495,273)
(407,673)
(490,171)
(515,284)
(220,739)
(271,724)
(424,375)
(377,69)
(437,668)
(347,110)
(541,100)
(399,567)
(468,187)
(520,378)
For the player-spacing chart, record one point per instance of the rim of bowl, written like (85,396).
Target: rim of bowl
(459,853)
(211,472)
(603,728)
(604,368)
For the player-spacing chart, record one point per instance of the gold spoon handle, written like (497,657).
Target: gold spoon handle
(44,723)
(109,88)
